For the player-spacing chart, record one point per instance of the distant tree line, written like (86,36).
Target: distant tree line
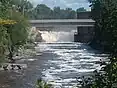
(42,11)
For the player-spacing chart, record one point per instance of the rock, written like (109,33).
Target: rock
(11,61)
(9,66)
(19,67)
(35,35)
(5,67)
(13,66)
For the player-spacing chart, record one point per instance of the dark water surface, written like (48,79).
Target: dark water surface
(59,64)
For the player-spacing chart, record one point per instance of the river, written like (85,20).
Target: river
(60,63)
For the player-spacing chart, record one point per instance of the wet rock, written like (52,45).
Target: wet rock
(11,61)
(9,66)
(101,62)
(19,67)
(5,67)
(35,35)
(12,67)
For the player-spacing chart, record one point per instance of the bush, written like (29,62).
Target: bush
(42,84)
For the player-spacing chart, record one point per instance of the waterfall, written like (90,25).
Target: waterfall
(57,36)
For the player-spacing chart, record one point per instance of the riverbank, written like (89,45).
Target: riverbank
(60,64)
(17,58)
(97,46)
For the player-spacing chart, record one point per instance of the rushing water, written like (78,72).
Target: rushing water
(60,64)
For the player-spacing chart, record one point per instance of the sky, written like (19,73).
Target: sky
(74,4)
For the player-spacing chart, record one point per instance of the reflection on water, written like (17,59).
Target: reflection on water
(70,61)
(59,64)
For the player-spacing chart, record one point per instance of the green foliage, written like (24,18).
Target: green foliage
(41,11)
(3,30)
(42,84)
(12,36)
(18,33)
(107,76)
(82,9)
(104,12)
(22,6)
(3,41)
(4,7)
(84,82)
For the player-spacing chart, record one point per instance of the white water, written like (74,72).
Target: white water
(60,63)
(72,60)
(61,36)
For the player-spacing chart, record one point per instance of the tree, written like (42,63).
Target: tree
(57,12)
(42,12)
(4,36)
(71,14)
(104,12)
(23,6)
(67,13)
(82,9)
(13,32)
(3,30)
(18,33)
(96,13)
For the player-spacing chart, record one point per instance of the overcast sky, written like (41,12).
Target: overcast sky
(74,4)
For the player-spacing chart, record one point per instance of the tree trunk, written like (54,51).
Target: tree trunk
(10,56)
